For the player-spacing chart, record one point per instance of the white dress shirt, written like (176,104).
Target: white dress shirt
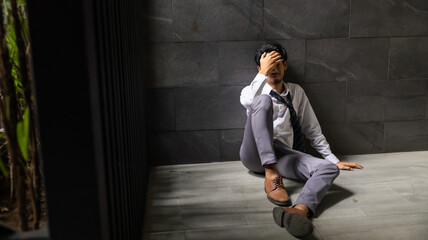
(282,129)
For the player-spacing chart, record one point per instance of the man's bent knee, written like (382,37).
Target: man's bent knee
(251,164)
(330,168)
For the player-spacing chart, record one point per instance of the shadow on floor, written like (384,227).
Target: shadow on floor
(334,195)
(260,175)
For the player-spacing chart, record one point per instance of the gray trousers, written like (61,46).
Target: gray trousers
(259,148)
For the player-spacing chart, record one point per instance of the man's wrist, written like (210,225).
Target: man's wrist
(263,72)
(332,158)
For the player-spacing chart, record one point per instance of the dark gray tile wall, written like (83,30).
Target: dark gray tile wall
(347,59)
(409,57)
(236,61)
(184,64)
(355,138)
(199,20)
(406,135)
(230,144)
(363,65)
(209,108)
(186,147)
(161,109)
(382,18)
(394,100)
(159,20)
(426,108)
(328,101)
(306,19)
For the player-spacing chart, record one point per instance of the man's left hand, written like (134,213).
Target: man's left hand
(348,166)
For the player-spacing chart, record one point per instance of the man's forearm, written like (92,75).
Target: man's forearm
(251,91)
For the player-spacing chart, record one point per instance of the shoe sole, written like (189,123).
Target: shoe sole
(282,204)
(295,224)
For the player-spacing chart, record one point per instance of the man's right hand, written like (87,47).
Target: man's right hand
(268,61)
(348,166)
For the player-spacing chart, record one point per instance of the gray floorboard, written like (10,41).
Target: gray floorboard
(388,199)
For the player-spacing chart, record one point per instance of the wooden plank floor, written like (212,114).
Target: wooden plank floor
(388,199)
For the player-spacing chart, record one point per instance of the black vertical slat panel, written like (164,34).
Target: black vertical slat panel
(141,97)
(117,137)
(96,89)
(108,104)
(120,115)
(138,93)
(124,105)
(123,114)
(132,145)
(128,95)
(129,114)
(110,38)
(103,72)
(111,127)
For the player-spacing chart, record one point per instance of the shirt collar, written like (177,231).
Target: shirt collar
(267,88)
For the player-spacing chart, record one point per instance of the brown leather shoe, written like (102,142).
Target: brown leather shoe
(276,192)
(293,220)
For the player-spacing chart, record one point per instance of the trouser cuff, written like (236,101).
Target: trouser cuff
(311,208)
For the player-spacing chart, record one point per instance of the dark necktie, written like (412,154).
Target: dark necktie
(299,139)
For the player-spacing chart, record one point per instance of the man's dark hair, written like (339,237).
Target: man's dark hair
(269,47)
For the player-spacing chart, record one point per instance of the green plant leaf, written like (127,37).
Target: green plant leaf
(23,132)
(3,168)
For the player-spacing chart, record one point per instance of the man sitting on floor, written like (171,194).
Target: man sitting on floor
(279,118)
